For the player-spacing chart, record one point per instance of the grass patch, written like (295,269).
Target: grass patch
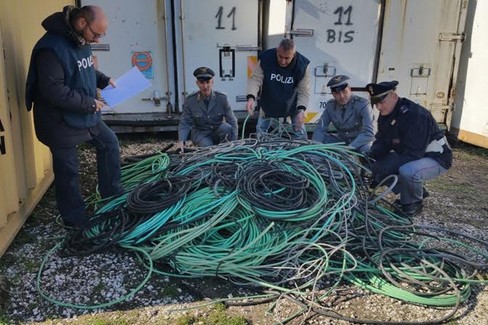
(101,321)
(444,184)
(217,316)
(472,149)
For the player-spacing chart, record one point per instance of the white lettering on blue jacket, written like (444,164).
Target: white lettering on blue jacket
(85,62)
(278,77)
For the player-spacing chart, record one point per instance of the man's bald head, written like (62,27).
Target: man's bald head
(90,22)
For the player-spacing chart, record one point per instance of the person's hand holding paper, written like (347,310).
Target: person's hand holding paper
(129,84)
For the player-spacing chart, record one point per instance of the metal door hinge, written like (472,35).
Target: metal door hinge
(157,98)
(301,32)
(449,37)
(249,48)
(100,47)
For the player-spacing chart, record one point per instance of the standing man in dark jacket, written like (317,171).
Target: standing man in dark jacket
(282,79)
(62,86)
(408,143)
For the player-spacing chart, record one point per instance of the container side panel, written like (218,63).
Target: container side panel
(8,189)
(25,163)
(222,35)
(136,36)
(339,37)
(420,39)
(470,117)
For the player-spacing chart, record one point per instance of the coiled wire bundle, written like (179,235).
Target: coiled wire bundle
(280,214)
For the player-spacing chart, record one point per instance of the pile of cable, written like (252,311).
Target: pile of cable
(285,215)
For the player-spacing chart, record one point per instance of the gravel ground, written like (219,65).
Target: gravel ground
(457,201)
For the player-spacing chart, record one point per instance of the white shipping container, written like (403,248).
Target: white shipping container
(416,42)
(167,41)
(470,117)
(338,37)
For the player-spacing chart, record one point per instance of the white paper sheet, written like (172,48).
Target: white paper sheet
(128,85)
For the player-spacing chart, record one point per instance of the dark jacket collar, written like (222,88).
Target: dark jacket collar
(58,23)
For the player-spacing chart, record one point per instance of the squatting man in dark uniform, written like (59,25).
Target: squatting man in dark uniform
(351,115)
(282,79)
(207,114)
(62,84)
(408,143)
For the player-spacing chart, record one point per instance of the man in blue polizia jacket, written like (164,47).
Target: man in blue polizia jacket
(62,86)
(282,81)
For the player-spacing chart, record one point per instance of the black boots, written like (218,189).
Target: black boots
(425,194)
(411,209)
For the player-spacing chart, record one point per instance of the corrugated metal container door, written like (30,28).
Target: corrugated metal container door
(8,190)
(470,117)
(222,35)
(167,40)
(420,48)
(338,37)
(136,36)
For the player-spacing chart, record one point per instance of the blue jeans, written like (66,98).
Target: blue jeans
(66,167)
(264,125)
(411,175)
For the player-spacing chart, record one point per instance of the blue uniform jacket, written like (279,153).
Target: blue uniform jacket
(408,130)
(62,84)
(278,91)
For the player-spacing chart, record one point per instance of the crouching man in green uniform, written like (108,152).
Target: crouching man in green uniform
(207,116)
